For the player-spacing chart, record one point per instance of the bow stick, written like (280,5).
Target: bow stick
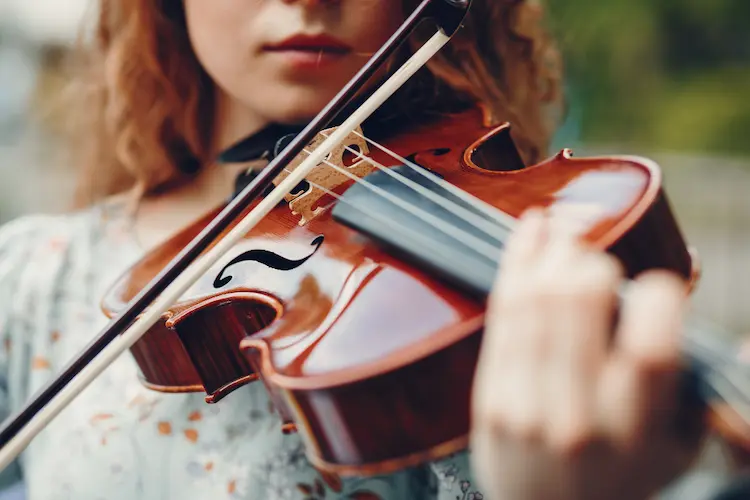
(187,267)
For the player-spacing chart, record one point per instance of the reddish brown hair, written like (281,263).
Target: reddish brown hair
(141,99)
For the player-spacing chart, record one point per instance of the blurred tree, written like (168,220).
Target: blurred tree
(673,74)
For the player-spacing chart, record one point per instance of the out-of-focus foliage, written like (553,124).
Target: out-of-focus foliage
(666,74)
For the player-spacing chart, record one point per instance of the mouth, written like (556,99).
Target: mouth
(309,51)
(310,43)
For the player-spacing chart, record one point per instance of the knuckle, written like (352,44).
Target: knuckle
(485,409)
(607,267)
(550,282)
(602,271)
(571,441)
(524,430)
(506,297)
(514,297)
(484,415)
(598,276)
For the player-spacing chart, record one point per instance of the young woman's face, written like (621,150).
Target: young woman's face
(284,60)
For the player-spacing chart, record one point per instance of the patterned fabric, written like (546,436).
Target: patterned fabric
(119,440)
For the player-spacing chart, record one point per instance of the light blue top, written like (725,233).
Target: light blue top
(119,440)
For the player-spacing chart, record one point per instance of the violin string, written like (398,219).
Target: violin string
(724,390)
(488,250)
(722,381)
(735,378)
(727,382)
(488,227)
(713,354)
(732,378)
(739,399)
(701,337)
(435,246)
(715,357)
(505,220)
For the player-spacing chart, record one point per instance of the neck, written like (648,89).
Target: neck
(160,213)
(234,121)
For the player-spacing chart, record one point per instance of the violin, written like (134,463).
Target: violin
(359,302)
(350,278)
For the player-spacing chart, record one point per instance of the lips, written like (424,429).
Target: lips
(310,43)
(308,54)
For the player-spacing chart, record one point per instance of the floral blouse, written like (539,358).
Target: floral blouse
(119,440)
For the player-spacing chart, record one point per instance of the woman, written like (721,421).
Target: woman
(164,86)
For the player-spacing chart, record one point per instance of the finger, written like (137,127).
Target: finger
(508,388)
(637,406)
(583,313)
(638,388)
(524,244)
(618,403)
(511,290)
(521,336)
(562,247)
(651,319)
(527,372)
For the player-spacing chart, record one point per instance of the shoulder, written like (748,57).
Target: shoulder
(37,250)
(32,248)
(22,229)
(20,241)
(30,235)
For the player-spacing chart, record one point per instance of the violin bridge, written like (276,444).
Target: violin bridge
(328,174)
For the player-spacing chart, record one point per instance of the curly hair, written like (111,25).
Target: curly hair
(141,102)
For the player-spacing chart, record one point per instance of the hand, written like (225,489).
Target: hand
(563,407)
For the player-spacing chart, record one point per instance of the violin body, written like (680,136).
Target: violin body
(369,355)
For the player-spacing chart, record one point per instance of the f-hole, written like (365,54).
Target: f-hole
(498,153)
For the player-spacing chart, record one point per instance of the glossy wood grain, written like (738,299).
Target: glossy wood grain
(371,359)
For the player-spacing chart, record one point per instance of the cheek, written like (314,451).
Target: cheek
(377,20)
(226,36)
(218,35)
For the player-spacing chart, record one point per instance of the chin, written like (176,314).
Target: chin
(294,116)
(294,106)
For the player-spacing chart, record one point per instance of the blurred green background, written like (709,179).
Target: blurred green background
(658,75)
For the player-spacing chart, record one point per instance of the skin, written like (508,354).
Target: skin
(557,397)
(255,87)
(574,378)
